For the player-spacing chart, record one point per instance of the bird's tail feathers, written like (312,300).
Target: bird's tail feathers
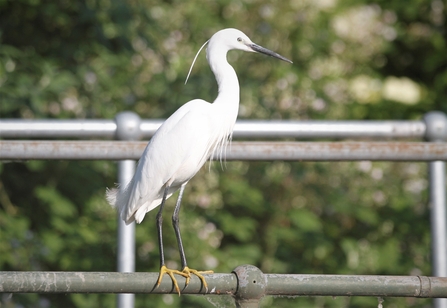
(111,196)
(118,198)
(138,216)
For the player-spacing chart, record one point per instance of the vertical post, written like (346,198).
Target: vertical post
(126,237)
(127,128)
(436,131)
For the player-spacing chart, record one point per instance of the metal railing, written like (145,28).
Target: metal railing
(251,151)
(128,127)
(129,123)
(246,282)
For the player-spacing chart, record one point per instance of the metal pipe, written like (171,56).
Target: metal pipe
(391,151)
(436,123)
(19,128)
(226,284)
(301,151)
(329,129)
(127,128)
(126,238)
(438,217)
(371,285)
(108,282)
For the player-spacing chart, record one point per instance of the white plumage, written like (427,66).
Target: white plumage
(184,142)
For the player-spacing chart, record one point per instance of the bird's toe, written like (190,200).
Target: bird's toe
(188,271)
(170,272)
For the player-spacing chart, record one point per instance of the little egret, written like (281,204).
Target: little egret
(182,145)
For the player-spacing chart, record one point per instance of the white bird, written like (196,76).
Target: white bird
(182,145)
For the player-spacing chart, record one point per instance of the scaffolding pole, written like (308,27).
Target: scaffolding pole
(20,128)
(127,128)
(297,151)
(433,127)
(246,282)
(436,132)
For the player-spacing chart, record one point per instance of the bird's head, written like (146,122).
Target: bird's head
(227,39)
(236,39)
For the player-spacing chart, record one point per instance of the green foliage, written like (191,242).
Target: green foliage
(352,60)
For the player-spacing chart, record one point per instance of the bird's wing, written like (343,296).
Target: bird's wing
(175,153)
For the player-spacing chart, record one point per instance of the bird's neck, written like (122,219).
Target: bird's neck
(227,82)
(226,104)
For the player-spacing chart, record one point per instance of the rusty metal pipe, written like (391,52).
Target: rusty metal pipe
(245,283)
(292,151)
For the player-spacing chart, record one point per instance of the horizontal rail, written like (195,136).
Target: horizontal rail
(240,283)
(19,128)
(357,285)
(301,151)
(330,129)
(108,282)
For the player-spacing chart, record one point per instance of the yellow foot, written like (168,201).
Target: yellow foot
(188,271)
(170,272)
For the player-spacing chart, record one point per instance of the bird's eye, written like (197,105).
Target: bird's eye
(239,39)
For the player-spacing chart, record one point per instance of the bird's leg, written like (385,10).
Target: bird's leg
(163,268)
(175,223)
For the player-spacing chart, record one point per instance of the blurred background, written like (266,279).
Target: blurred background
(353,60)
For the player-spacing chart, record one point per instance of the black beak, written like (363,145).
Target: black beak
(267,52)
